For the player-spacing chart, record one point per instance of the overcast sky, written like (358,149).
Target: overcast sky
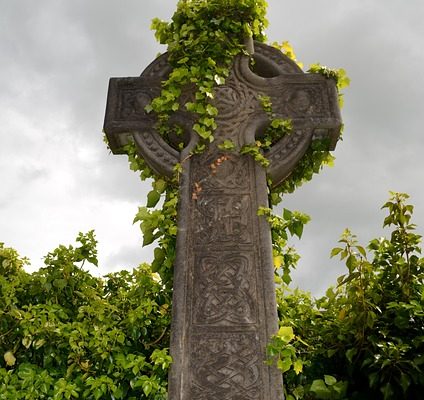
(57,177)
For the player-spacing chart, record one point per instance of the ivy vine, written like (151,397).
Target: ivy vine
(202,39)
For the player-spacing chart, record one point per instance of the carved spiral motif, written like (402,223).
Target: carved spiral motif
(234,101)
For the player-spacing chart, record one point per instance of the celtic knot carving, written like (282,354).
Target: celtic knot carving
(226,290)
(232,173)
(226,367)
(223,218)
(234,99)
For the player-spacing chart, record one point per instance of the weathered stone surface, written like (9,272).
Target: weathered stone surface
(224,308)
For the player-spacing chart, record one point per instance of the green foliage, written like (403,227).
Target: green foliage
(290,223)
(65,334)
(202,38)
(254,150)
(276,129)
(368,332)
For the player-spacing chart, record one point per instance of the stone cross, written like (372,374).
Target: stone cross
(224,306)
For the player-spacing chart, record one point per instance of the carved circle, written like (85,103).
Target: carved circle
(228,101)
(300,101)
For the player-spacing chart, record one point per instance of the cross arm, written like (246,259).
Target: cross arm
(310,101)
(127,120)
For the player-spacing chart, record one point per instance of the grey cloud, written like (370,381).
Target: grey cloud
(128,257)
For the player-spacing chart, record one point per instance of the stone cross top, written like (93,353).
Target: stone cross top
(224,307)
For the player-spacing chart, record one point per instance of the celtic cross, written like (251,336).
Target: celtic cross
(224,307)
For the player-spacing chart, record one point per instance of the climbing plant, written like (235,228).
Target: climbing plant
(65,334)
(365,338)
(202,39)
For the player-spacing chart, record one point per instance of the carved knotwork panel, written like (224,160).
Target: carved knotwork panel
(235,101)
(219,171)
(226,366)
(222,218)
(225,290)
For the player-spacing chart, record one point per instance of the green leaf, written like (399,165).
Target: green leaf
(175,106)
(336,251)
(405,381)
(148,238)
(361,251)
(330,380)
(227,145)
(9,358)
(298,229)
(60,283)
(153,198)
(320,389)
(284,365)
(298,366)
(147,387)
(39,343)
(160,185)
(387,391)
(26,341)
(286,333)
(287,214)
(351,353)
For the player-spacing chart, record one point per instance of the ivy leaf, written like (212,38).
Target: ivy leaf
(284,365)
(26,341)
(219,79)
(160,185)
(298,366)
(320,389)
(278,260)
(286,333)
(148,238)
(9,358)
(202,131)
(330,380)
(153,198)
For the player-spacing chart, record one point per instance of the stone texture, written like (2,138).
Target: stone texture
(224,308)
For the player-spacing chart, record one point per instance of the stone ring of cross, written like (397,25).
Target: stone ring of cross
(308,100)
